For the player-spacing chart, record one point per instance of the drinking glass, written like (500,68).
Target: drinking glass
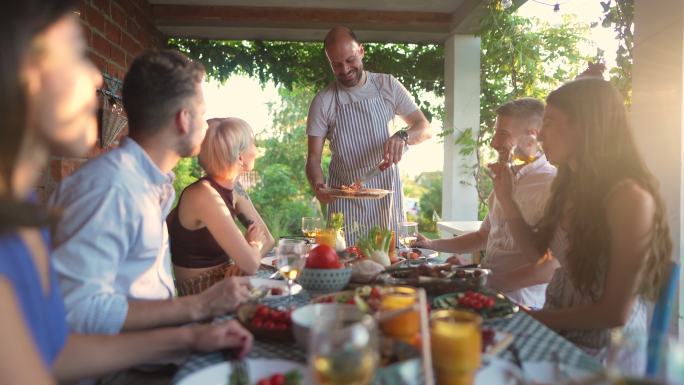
(290,257)
(456,346)
(310,227)
(408,233)
(405,327)
(343,354)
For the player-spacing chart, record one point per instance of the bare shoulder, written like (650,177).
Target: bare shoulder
(630,204)
(198,195)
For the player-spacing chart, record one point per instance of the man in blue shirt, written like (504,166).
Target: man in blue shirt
(111,244)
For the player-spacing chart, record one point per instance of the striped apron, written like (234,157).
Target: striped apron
(356,142)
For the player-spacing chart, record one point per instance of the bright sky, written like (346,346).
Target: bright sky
(243,97)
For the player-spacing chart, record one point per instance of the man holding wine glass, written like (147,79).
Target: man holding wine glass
(515,140)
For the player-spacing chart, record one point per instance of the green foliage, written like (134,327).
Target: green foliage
(187,171)
(620,14)
(520,57)
(430,204)
(420,68)
(283,196)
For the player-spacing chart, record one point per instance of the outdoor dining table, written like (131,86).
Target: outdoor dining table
(533,340)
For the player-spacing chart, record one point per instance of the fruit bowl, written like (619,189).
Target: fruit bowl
(324,280)
(265,323)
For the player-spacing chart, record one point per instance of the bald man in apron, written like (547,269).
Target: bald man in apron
(356,113)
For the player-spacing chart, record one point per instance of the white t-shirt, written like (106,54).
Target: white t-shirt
(322,110)
(531,190)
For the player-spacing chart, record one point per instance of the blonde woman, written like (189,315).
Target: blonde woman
(605,221)
(206,242)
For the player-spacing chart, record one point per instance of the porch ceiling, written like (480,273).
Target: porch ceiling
(411,21)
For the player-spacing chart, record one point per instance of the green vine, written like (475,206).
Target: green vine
(620,15)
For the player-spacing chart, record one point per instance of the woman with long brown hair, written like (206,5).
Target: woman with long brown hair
(605,221)
(48,104)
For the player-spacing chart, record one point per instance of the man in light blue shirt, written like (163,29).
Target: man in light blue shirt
(111,244)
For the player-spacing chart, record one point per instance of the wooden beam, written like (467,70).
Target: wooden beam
(304,18)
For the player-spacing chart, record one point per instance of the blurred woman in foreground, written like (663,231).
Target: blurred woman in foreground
(206,243)
(48,105)
(605,221)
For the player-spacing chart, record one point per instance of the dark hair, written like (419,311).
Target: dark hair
(530,109)
(156,85)
(20,22)
(331,35)
(606,157)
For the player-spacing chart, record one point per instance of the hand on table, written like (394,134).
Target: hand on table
(422,241)
(225,296)
(229,334)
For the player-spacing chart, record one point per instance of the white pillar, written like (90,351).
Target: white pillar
(658,107)
(462,102)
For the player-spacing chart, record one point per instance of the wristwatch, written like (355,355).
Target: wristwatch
(403,135)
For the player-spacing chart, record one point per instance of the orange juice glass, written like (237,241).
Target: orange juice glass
(456,346)
(406,326)
(326,237)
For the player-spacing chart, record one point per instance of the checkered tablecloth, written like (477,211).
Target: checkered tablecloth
(534,341)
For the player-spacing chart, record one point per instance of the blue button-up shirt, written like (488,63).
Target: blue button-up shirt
(111,244)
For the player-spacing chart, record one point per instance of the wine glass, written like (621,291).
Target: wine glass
(290,257)
(408,233)
(310,227)
(343,353)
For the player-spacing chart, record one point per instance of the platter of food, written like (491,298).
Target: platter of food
(263,371)
(487,303)
(415,253)
(265,322)
(347,192)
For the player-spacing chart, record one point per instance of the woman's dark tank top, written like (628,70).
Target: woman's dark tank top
(198,248)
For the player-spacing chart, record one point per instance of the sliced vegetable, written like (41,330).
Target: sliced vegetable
(376,245)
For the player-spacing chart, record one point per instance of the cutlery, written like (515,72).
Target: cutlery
(239,374)
(377,169)
(380,167)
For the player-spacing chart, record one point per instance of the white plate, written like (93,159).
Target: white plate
(500,371)
(258,368)
(268,261)
(270,283)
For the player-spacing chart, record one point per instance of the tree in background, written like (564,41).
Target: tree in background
(620,14)
(520,57)
(283,195)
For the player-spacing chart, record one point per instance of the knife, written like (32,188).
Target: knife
(377,169)
(380,167)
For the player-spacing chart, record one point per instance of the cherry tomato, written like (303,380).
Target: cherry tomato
(264,381)
(257,323)
(280,326)
(278,379)
(269,325)
(262,311)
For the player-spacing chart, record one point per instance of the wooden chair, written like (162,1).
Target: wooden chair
(660,322)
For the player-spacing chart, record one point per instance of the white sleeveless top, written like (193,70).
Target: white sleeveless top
(561,293)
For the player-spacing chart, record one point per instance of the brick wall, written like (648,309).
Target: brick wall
(116,31)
